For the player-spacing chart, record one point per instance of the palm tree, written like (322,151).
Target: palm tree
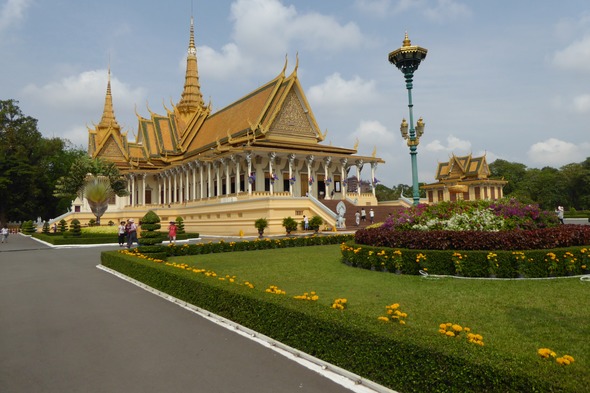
(94,179)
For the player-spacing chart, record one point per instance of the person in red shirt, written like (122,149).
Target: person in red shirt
(172,232)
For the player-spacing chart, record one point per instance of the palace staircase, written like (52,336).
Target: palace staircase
(381,213)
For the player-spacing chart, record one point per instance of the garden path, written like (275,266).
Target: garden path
(66,326)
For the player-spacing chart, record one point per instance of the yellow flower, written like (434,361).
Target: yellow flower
(457,328)
(450,334)
(384,319)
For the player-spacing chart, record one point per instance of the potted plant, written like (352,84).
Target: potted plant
(260,224)
(315,223)
(290,224)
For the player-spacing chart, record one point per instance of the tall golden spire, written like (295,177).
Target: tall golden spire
(108,119)
(191,99)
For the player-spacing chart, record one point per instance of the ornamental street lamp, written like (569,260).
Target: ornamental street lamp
(407,59)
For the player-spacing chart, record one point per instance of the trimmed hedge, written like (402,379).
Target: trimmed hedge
(547,238)
(257,244)
(59,240)
(404,361)
(502,264)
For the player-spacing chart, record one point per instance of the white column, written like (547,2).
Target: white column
(343,178)
(169,176)
(227,178)
(202,189)
(291,161)
(373,166)
(194,173)
(327,162)
(271,160)
(160,182)
(359,167)
(249,160)
(209,179)
(236,160)
(310,175)
(143,186)
(217,166)
(133,201)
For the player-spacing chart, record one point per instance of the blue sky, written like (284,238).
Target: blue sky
(509,79)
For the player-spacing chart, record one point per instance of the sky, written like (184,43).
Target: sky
(508,79)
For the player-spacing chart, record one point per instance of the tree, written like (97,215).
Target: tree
(577,178)
(29,167)
(512,172)
(94,179)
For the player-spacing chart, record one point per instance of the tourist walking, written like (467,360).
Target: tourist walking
(4,234)
(357,218)
(371,215)
(305,223)
(131,233)
(363,214)
(559,212)
(172,232)
(122,233)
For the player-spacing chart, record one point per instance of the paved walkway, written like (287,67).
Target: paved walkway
(66,326)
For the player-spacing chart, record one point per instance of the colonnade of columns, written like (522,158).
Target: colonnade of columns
(322,177)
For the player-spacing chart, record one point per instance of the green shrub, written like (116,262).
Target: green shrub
(289,224)
(63,226)
(315,223)
(75,228)
(28,228)
(46,227)
(179,227)
(150,229)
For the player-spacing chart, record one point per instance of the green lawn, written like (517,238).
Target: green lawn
(515,318)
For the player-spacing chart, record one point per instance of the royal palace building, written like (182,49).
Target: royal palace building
(262,156)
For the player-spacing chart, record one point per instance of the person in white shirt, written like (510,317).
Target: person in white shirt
(4,234)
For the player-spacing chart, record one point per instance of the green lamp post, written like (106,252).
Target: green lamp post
(407,59)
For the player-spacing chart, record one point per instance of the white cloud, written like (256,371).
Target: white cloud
(446,10)
(338,93)
(555,152)
(575,57)
(582,103)
(83,95)
(219,65)
(12,12)
(263,32)
(371,134)
(454,145)
(83,91)
(276,25)
(373,7)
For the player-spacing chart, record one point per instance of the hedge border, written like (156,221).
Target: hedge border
(396,361)
(559,262)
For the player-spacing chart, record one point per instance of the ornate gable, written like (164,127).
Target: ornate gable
(292,121)
(111,149)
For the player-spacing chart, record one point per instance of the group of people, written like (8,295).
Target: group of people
(128,233)
(362,216)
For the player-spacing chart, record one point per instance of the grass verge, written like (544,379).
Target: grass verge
(515,318)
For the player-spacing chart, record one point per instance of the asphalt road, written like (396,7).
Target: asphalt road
(66,326)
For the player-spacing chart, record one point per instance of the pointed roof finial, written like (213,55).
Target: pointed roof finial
(407,41)
(192,98)
(108,119)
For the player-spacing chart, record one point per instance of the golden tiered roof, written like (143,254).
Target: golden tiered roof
(276,116)
(463,167)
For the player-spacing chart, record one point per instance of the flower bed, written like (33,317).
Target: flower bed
(405,360)
(501,264)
